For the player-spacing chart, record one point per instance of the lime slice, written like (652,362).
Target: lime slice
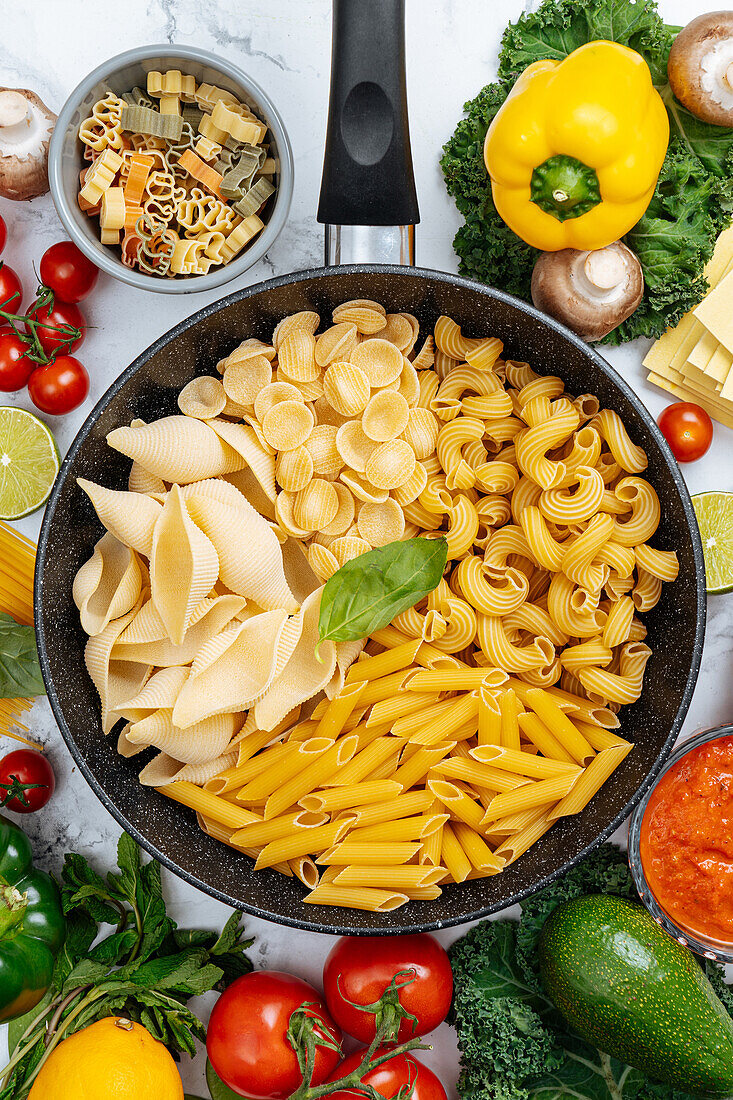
(714,513)
(29,462)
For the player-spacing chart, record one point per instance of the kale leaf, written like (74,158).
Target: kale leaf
(693,200)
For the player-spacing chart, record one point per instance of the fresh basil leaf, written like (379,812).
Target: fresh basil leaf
(217,1088)
(367,592)
(20,673)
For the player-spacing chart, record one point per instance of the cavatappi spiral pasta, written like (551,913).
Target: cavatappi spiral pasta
(444,746)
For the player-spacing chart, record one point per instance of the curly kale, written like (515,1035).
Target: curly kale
(514,1044)
(501,1036)
(693,200)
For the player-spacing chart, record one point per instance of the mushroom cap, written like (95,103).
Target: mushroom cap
(24,160)
(700,67)
(590,292)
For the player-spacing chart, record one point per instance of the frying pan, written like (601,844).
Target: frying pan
(367,201)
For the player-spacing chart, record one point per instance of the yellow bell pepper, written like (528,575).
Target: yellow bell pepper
(575,151)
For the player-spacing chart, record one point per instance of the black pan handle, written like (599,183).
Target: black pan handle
(367,171)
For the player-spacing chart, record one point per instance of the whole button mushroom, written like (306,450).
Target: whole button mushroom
(590,292)
(26,125)
(700,67)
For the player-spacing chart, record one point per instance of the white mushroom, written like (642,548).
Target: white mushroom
(590,292)
(26,125)
(700,67)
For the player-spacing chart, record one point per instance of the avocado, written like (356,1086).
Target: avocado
(632,991)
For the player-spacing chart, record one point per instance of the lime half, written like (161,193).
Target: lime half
(29,462)
(714,513)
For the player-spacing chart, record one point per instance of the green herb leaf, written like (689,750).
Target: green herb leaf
(145,969)
(367,592)
(20,673)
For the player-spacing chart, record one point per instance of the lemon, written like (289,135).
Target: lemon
(114,1059)
(714,511)
(29,462)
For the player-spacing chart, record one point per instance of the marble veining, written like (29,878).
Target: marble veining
(285,46)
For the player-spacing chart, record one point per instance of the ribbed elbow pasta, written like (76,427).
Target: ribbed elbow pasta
(629,457)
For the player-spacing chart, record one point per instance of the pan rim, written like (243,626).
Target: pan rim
(344,928)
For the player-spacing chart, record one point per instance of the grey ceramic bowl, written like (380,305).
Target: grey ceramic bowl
(120,74)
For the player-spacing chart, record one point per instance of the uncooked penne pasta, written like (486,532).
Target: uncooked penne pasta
(356,897)
(369,854)
(355,794)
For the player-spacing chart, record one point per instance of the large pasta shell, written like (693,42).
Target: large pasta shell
(163,653)
(177,448)
(107,585)
(203,741)
(129,516)
(161,690)
(250,559)
(243,439)
(306,673)
(114,680)
(237,669)
(163,769)
(183,566)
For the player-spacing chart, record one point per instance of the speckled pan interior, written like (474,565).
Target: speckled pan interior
(148,389)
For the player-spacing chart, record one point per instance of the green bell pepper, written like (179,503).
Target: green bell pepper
(32,925)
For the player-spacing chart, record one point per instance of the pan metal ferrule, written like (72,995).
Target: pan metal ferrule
(370,244)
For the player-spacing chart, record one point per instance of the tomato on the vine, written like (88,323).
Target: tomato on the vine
(393,1077)
(68,272)
(15,366)
(359,969)
(247,1039)
(687,428)
(11,289)
(51,318)
(60,386)
(3,234)
(26,781)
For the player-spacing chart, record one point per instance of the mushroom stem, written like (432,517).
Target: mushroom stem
(14,114)
(605,269)
(728,76)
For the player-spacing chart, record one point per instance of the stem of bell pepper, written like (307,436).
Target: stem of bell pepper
(565,187)
(13,905)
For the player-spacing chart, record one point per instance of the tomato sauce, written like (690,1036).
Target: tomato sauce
(687,840)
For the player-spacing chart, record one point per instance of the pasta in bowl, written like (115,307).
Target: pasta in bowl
(371,775)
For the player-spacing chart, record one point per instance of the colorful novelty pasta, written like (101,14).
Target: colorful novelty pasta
(448,743)
(179,174)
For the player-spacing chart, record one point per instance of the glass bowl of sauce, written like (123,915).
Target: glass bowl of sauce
(681,845)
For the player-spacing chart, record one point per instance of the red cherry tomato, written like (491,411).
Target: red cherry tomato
(247,1042)
(26,781)
(53,318)
(688,429)
(392,1077)
(15,367)
(11,289)
(68,272)
(3,234)
(359,969)
(59,387)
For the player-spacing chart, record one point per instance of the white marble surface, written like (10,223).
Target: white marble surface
(49,45)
